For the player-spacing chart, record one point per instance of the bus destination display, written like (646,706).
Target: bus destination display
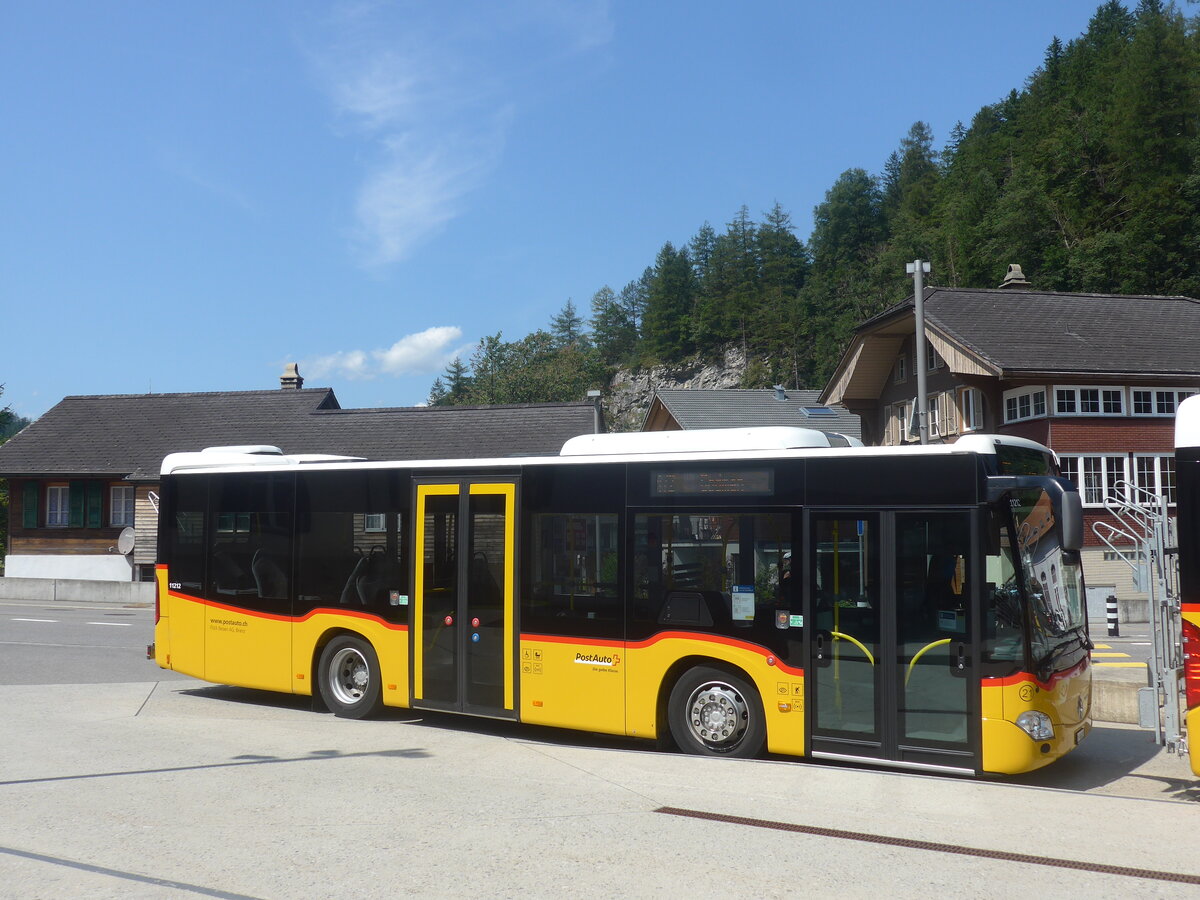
(671,483)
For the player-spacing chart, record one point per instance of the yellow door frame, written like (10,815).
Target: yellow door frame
(507,490)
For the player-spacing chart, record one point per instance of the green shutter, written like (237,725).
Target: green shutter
(29,505)
(78,491)
(95,504)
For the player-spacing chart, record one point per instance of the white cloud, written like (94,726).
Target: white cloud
(432,90)
(427,352)
(421,353)
(412,194)
(179,165)
(348,364)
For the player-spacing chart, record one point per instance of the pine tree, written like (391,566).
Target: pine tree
(781,325)
(666,325)
(567,327)
(613,332)
(633,299)
(701,248)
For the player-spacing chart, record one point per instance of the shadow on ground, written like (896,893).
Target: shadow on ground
(1112,754)
(1112,760)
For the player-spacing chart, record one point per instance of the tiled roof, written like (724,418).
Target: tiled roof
(128,435)
(741,408)
(1039,331)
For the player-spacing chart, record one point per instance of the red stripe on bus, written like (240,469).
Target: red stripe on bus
(321,610)
(668,635)
(560,639)
(1026,676)
(716,639)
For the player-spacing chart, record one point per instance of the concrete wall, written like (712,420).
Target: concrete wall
(76,567)
(1132,605)
(61,590)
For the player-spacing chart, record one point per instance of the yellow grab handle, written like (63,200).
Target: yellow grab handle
(920,653)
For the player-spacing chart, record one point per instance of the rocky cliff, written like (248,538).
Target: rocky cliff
(629,392)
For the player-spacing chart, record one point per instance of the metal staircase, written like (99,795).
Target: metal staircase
(1143,522)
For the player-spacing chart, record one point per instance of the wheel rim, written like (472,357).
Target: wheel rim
(718,715)
(349,676)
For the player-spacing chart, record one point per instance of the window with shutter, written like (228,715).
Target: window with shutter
(95,504)
(78,494)
(29,505)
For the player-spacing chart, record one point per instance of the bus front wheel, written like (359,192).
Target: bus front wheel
(349,678)
(716,713)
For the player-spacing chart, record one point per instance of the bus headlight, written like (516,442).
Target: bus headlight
(1036,724)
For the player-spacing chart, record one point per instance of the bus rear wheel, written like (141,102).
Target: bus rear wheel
(348,675)
(712,712)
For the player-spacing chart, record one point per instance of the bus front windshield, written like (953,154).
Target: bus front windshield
(1052,575)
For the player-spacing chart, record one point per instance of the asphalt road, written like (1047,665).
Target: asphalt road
(54,643)
(133,782)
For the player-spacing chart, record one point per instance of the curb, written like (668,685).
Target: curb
(1115,694)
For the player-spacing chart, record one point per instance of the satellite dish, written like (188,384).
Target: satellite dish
(126,540)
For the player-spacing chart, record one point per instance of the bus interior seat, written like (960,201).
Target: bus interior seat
(269,576)
(350,590)
(484,591)
(694,608)
(227,576)
(378,572)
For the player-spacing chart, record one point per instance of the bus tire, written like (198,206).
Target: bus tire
(349,679)
(713,712)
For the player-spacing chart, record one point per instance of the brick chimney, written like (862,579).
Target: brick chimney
(291,380)
(1015,278)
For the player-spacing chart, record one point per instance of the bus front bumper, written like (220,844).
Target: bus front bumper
(1009,750)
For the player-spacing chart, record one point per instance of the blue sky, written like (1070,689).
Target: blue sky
(195,194)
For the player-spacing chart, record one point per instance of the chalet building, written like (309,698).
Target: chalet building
(89,468)
(681,409)
(1095,377)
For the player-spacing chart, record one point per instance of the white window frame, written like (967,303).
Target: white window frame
(948,406)
(1160,467)
(1157,398)
(970,409)
(1096,474)
(901,372)
(935,418)
(374,523)
(932,360)
(122,506)
(58,506)
(1075,395)
(1016,395)
(904,414)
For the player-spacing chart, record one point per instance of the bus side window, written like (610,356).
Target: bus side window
(186,540)
(574,563)
(250,542)
(738,565)
(1003,632)
(350,544)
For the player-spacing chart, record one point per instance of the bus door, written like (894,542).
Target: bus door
(463,628)
(891,655)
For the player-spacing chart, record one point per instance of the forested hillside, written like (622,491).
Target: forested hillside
(1089,177)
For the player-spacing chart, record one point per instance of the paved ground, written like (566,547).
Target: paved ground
(180,789)
(63,643)
(156,785)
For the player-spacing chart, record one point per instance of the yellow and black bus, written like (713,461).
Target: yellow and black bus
(1187,500)
(728,592)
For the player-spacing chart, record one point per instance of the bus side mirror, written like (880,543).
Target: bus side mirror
(1071,517)
(1068,505)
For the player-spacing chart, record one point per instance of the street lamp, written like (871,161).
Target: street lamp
(918,269)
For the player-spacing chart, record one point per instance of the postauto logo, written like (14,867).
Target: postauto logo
(597,659)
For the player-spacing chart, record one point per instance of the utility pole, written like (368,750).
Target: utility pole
(918,270)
